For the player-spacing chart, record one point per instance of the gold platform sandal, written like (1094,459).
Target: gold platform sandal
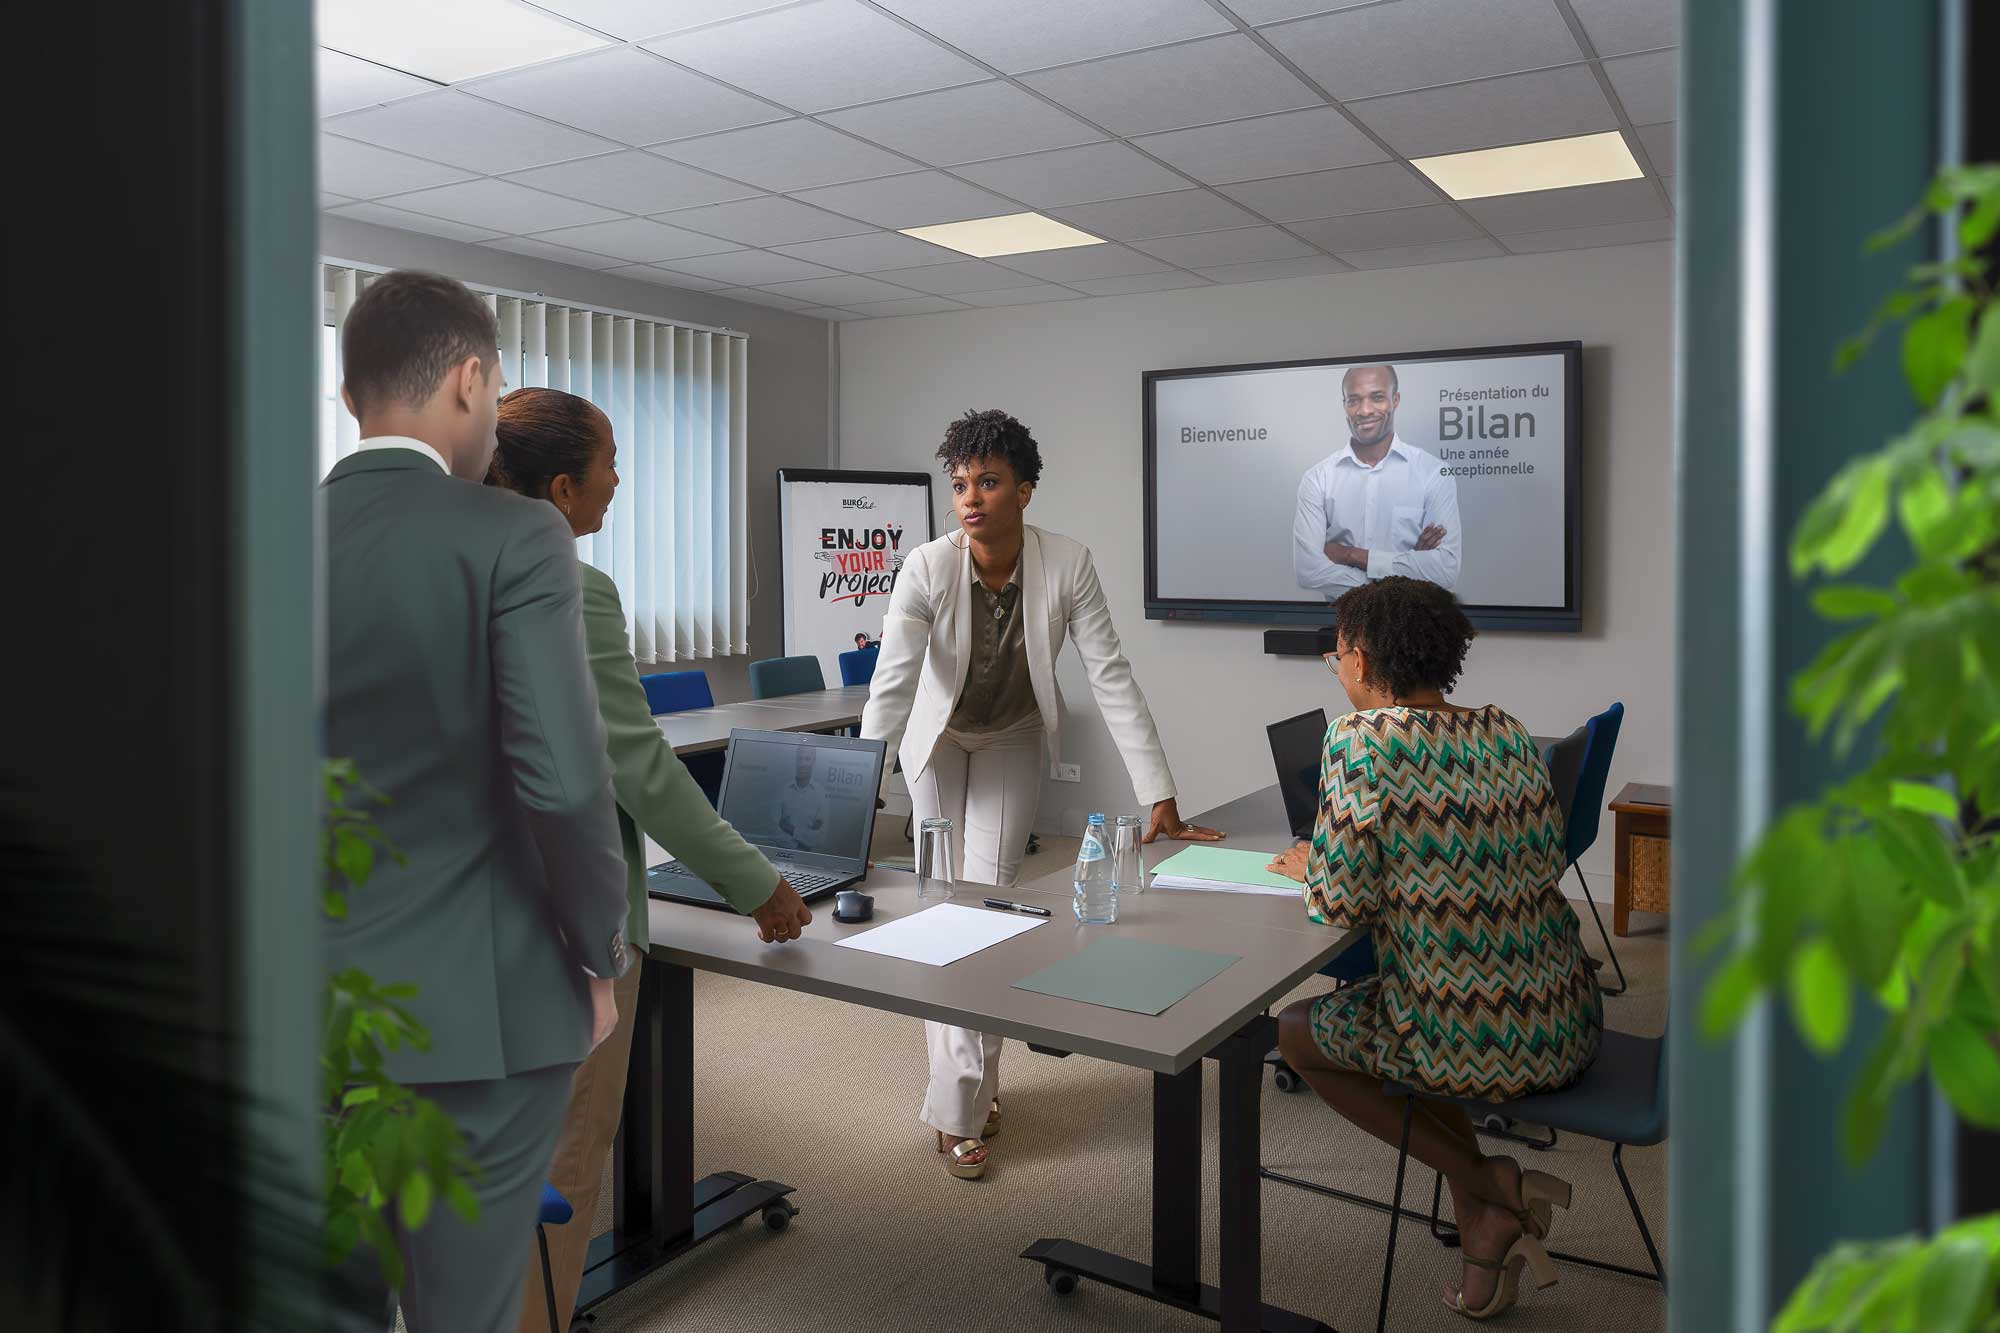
(992,1130)
(961,1161)
(1525,1251)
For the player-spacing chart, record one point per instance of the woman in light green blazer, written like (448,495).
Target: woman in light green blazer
(558,447)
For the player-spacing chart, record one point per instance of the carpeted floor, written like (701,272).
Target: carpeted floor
(824,1096)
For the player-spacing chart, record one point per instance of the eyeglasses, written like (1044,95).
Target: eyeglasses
(1332,659)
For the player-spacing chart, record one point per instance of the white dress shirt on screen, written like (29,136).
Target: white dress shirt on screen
(1383,509)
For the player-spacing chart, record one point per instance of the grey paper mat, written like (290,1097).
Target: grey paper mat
(1134,975)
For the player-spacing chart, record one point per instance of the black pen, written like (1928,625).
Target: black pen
(1002,905)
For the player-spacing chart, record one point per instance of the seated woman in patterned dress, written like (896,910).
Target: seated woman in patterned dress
(1438,832)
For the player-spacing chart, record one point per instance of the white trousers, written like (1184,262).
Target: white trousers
(988,786)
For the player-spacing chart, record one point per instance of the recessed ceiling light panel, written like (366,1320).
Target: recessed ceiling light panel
(448,40)
(1012,234)
(1552,164)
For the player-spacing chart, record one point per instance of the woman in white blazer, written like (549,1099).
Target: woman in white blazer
(964,694)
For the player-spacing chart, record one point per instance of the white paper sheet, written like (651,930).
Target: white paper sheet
(942,934)
(1220,886)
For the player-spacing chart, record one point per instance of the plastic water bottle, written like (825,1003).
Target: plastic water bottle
(1096,902)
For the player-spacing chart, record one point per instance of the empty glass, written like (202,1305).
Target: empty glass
(1128,864)
(934,861)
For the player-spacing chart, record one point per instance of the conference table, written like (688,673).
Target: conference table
(661,1210)
(700,730)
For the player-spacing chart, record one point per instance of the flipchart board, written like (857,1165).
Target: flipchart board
(843,537)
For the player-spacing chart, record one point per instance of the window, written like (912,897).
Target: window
(675,538)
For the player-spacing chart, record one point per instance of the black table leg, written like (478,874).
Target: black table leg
(659,1211)
(1173,1277)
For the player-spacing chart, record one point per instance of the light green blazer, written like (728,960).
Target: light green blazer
(655,792)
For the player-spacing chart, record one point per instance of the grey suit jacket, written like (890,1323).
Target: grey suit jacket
(457,683)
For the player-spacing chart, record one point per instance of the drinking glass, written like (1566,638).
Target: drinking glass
(934,861)
(1128,864)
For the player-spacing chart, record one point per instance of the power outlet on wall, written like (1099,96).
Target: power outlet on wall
(1069,772)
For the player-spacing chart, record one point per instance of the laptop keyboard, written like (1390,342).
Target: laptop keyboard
(805,881)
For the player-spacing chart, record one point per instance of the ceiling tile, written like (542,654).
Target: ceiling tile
(1585,238)
(1673,184)
(561,254)
(634,182)
(1210,248)
(967,275)
(1319,139)
(632,19)
(1660,147)
(1398,226)
(1332,194)
(1125,285)
(1016,35)
(637,240)
(842,291)
(753,296)
(1021,295)
(1578,206)
(1173,214)
(832,313)
(870,253)
(1617,26)
(1218,78)
(1404,256)
(1272,11)
(770,220)
(920,199)
(965,124)
(910,305)
(348,84)
(328,200)
(746,268)
(1646,85)
(1082,261)
(384,216)
(502,206)
(450,126)
(1520,108)
(820,55)
(361,171)
(1421,43)
(1075,175)
(790,155)
(1269,270)
(667,278)
(626,95)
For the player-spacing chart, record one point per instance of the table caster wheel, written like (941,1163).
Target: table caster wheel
(1494,1123)
(777,1217)
(1061,1281)
(1284,1079)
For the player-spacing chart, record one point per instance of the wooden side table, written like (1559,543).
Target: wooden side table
(1643,833)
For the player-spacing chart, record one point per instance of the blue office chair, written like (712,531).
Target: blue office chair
(775,676)
(677,691)
(555,1211)
(857,666)
(1621,1099)
(1586,810)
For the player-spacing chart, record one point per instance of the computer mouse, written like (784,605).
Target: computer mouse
(852,905)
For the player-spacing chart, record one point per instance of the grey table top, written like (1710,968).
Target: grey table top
(1275,944)
(702,729)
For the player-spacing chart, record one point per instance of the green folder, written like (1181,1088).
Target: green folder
(1129,974)
(1225,865)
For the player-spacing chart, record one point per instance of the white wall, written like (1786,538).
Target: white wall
(1071,372)
(790,416)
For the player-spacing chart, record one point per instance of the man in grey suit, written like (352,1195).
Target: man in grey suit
(457,683)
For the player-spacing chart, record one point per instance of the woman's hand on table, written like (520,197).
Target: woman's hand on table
(1291,863)
(1167,823)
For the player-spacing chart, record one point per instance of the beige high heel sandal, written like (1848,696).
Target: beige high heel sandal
(960,1151)
(1540,1194)
(1525,1251)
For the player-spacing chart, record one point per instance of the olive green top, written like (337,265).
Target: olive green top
(999,692)
(655,792)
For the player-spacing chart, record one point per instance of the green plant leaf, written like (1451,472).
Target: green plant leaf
(1840,525)
(1924,799)
(1818,989)
(1729,995)
(1968,1069)
(414,1200)
(1852,601)
(1924,504)
(1982,363)
(1934,348)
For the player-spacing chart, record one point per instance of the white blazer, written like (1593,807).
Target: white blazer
(927,641)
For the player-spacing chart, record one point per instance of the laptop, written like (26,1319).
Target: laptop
(1296,747)
(806,801)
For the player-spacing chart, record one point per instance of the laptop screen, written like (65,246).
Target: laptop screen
(802,794)
(1296,744)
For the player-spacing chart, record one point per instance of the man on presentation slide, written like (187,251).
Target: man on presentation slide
(1380,506)
(800,811)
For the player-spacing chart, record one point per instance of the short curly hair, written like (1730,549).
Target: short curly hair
(991,434)
(1414,632)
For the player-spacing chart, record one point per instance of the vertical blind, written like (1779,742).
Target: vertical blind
(674,539)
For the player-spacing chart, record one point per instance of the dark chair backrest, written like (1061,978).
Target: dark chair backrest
(677,691)
(1586,808)
(857,665)
(785,675)
(1565,763)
